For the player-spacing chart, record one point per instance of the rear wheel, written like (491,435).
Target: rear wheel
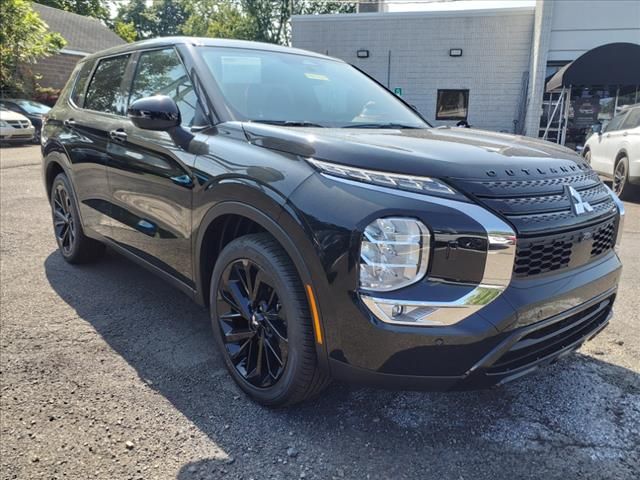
(74,246)
(262,324)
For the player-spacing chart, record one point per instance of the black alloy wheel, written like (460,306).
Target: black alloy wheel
(63,222)
(253,323)
(262,322)
(74,245)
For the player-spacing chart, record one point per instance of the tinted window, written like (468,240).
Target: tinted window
(33,108)
(11,106)
(452,105)
(80,86)
(103,94)
(161,72)
(615,123)
(632,120)
(278,87)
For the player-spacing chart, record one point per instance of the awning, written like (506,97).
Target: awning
(611,64)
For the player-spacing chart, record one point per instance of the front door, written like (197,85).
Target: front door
(149,176)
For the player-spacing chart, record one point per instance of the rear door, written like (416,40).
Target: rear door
(149,176)
(94,108)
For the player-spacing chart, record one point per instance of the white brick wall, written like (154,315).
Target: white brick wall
(496,48)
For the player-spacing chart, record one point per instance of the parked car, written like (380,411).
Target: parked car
(15,128)
(328,228)
(34,111)
(614,151)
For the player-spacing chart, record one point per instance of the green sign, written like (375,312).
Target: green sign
(398,91)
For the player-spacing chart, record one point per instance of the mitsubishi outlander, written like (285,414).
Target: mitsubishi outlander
(331,232)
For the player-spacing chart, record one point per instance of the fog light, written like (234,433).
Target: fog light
(394,253)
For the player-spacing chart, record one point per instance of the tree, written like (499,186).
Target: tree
(24,38)
(166,17)
(220,19)
(137,15)
(126,31)
(89,8)
(273,17)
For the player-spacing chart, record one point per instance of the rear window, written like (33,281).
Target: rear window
(103,93)
(80,86)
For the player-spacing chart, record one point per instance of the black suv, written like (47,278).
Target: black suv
(329,229)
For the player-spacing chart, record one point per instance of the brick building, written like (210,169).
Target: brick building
(84,35)
(483,61)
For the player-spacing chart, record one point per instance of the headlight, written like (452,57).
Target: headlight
(426,185)
(394,253)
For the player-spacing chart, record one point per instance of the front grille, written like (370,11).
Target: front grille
(539,255)
(550,339)
(551,237)
(539,206)
(18,123)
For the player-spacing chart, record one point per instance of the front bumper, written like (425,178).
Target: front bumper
(468,352)
(531,325)
(10,134)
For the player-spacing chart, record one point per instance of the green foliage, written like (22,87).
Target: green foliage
(259,20)
(89,8)
(218,19)
(136,14)
(24,38)
(126,31)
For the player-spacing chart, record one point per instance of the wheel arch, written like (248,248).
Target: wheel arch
(236,219)
(621,153)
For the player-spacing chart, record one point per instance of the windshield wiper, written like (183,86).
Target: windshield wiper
(288,123)
(382,125)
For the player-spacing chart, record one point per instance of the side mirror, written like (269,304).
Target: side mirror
(155,113)
(596,128)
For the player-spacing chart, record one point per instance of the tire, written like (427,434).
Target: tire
(73,244)
(620,183)
(271,308)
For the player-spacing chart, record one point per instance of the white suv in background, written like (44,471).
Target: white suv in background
(614,151)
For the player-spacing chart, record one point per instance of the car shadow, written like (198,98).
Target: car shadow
(577,417)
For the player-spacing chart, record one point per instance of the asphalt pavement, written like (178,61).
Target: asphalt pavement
(106,372)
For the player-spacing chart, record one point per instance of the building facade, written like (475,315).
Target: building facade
(84,36)
(483,61)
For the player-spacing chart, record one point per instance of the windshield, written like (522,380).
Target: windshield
(33,107)
(299,90)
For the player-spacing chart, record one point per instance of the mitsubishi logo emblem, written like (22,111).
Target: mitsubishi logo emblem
(578,206)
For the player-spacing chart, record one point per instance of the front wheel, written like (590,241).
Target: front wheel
(262,324)
(621,186)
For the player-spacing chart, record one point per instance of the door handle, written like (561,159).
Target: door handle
(70,122)
(118,135)
(625,134)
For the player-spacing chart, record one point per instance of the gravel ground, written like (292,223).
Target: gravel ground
(108,373)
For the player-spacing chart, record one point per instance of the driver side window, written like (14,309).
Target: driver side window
(160,72)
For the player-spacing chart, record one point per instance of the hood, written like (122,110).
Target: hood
(10,115)
(441,152)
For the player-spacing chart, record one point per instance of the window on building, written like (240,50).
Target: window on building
(103,94)
(160,72)
(452,105)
